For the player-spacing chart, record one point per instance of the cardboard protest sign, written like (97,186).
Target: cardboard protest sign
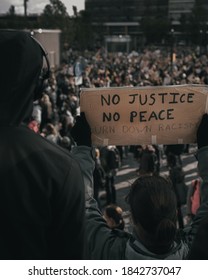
(144,115)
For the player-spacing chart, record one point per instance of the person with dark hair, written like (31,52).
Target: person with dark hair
(42,189)
(110,161)
(177,177)
(153,206)
(156,228)
(148,161)
(113,216)
(173,153)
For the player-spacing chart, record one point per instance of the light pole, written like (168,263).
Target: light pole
(171,54)
(25,7)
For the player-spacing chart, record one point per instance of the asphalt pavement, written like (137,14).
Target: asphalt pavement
(128,173)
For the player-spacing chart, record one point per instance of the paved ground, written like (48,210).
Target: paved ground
(127,174)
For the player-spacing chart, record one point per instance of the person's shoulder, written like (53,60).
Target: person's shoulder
(121,234)
(119,241)
(37,143)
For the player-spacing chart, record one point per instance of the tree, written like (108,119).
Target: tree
(76,30)
(75,11)
(11,10)
(82,31)
(25,7)
(58,8)
(55,16)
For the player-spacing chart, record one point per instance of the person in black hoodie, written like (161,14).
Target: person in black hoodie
(42,188)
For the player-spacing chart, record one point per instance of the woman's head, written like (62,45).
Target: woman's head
(113,217)
(154,210)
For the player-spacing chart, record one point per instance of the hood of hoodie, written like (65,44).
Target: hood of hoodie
(21,62)
(135,250)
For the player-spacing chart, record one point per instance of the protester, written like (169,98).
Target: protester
(50,133)
(153,208)
(173,153)
(98,177)
(177,177)
(147,66)
(42,189)
(148,161)
(46,110)
(110,161)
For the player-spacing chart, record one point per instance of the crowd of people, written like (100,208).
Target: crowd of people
(54,114)
(148,67)
(49,161)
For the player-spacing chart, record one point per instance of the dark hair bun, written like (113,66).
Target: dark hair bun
(165,231)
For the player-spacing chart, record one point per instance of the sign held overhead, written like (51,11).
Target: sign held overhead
(144,115)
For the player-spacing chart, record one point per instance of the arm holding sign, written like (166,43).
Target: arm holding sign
(200,222)
(202,155)
(83,152)
(202,141)
(104,243)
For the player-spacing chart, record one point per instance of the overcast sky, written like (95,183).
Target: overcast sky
(37,6)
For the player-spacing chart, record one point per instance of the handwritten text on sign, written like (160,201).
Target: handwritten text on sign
(157,115)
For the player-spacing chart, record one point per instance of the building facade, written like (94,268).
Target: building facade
(129,18)
(178,8)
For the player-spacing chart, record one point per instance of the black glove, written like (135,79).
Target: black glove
(202,132)
(81,131)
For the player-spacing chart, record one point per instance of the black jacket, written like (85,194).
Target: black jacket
(41,185)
